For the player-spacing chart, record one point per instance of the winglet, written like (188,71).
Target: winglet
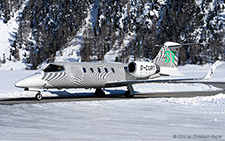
(212,70)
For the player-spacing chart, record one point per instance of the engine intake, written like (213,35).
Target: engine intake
(132,67)
(140,69)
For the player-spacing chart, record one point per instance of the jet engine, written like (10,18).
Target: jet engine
(140,69)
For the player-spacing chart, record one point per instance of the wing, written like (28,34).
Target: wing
(183,80)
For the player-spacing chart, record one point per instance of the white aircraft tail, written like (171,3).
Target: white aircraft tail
(167,59)
(168,55)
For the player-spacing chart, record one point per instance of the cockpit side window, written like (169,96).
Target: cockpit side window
(53,68)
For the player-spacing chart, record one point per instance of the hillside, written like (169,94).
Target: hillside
(38,32)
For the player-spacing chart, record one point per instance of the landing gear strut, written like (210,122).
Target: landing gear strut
(38,96)
(128,95)
(99,92)
(130,92)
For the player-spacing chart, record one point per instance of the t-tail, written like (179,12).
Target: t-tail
(167,59)
(168,55)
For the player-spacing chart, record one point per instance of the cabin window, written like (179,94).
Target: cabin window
(106,70)
(53,68)
(84,70)
(99,70)
(92,70)
(113,70)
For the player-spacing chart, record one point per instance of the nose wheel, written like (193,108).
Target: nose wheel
(38,96)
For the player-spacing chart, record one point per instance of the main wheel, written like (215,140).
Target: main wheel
(127,94)
(99,93)
(38,96)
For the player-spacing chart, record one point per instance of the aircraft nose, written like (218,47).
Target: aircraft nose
(20,84)
(33,81)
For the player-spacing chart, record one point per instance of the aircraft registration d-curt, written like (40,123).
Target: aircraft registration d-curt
(103,75)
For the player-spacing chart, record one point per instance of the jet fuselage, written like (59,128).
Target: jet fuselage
(75,75)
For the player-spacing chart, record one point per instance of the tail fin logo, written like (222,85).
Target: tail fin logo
(168,57)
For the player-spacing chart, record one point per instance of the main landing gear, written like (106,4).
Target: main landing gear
(39,96)
(130,92)
(99,92)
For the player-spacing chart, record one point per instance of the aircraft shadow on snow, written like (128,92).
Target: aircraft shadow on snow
(112,93)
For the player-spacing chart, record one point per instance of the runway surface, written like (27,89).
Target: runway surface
(107,97)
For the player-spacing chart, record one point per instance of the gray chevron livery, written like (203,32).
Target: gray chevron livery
(103,75)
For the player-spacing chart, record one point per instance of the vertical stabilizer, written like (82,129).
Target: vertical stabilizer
(168,55)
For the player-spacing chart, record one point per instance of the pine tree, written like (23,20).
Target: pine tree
(6,11)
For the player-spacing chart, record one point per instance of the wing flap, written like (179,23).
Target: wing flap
(125,83)
(166,71)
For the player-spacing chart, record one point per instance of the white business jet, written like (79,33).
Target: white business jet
(103,75)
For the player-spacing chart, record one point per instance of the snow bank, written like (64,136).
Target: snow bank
(218,100)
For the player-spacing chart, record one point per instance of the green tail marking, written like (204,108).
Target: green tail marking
(168,59)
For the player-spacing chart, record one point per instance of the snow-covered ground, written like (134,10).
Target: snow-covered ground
(197,118)
(200,118)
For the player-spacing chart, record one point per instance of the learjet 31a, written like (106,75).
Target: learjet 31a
(103,75)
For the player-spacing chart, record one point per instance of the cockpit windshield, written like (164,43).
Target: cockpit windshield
(53,68)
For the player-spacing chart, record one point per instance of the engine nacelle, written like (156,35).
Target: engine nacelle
(140,69)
